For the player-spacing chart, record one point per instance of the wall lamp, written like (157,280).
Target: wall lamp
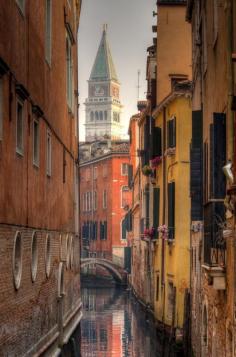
(228,172)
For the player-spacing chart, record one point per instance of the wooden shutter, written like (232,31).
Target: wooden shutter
(156,208)
(217,156)
(171,133)
(123,233)
(196,183)
(156,142)
(196,167)
(130,176)
(146,140)
(171,209)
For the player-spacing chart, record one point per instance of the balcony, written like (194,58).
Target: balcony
(214,244)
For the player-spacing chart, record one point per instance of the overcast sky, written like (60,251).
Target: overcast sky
(129,34)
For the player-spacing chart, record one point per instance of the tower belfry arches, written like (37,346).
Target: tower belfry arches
(103,96)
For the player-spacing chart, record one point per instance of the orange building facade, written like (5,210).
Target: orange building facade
(104,199)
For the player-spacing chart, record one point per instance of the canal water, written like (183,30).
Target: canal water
(115,325)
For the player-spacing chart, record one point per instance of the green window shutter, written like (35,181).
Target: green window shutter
(130,176)
(156,208)
(171,209)
(156,142)
(124,228)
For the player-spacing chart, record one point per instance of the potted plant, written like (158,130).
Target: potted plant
(163,229)
(146,170)
(156,161)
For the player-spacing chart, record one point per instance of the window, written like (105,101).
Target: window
(156,209)
(101,115)
(19,127)
(35,142)
(218,156)
(104,201)
(49,154)
(96,115)
(105,115)
(103,230)
(21,4)
(124,169)
(171,210)
(95,200)
(1,108)
(124,196)
(171,133)
(92,116)
(69,71)
(48,31)
(123,229)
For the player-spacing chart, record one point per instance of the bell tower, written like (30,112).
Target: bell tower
(103,107)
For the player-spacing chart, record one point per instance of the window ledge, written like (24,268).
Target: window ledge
(19,152)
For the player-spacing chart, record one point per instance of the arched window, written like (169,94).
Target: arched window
(118,117)
(105,115)
(96,115)
(92,116)
(101,115)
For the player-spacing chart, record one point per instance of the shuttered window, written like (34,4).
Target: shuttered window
(217,156)
(171,133)
(171,210)
(130,176)
(103,230)
(156,148)
(196,167)
(146,141)
(156,209)
(123,229)
(147,200)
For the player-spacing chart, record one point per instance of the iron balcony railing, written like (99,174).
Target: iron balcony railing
(214,243)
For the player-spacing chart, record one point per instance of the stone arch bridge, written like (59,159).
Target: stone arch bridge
(117,272)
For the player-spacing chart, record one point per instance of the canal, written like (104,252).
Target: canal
(115,325)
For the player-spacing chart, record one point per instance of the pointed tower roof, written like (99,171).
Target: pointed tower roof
(103,68)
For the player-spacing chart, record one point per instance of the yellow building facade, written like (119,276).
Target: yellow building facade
(172,250)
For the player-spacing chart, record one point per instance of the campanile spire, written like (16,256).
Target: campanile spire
(103,107)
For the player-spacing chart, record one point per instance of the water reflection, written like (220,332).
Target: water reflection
(113,325)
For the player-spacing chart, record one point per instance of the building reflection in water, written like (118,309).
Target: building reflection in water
(113,325)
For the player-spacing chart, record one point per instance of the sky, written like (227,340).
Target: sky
(129,34)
